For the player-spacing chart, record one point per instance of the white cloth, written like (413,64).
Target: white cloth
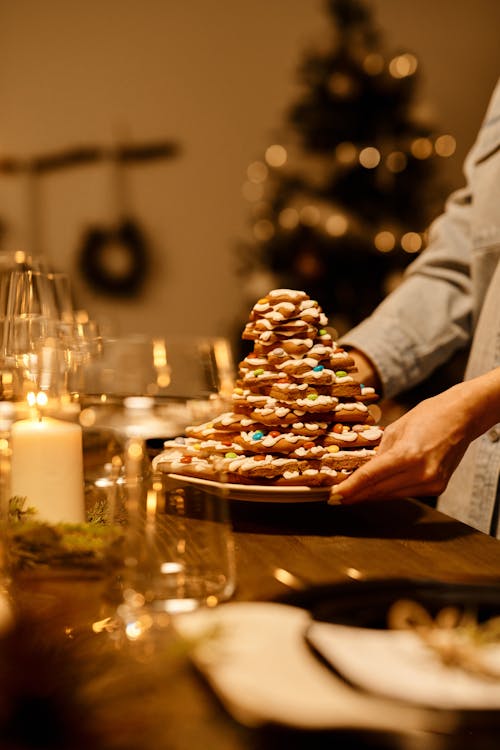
(397,664)
(260,666)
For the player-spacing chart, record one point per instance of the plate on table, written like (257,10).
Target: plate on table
(259,493)
(350,634)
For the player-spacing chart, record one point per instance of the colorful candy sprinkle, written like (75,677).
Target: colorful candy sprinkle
(322,331)
(312,396)
(333,449)
(186,460)
(340,373)
(259,457)
(259,371)
(338,428)
(258,435)
(275,433)
(318,368)
(231,454)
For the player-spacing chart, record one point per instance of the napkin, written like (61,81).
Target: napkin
(398,664)
(255,657)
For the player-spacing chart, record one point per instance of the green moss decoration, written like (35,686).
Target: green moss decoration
(92,545)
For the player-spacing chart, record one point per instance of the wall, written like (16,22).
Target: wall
(214,75)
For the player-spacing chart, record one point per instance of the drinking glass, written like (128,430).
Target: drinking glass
(155,387)
(178,552)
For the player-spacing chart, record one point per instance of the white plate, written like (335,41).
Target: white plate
(258,493)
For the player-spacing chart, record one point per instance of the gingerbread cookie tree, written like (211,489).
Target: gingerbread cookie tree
(299,415)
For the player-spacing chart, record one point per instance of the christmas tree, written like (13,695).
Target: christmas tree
(340,204)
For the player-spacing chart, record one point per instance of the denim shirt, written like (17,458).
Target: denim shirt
(450,297)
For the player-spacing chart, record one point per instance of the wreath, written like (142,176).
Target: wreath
(115,260)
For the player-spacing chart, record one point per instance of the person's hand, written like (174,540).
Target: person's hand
(366,370)
(419,452)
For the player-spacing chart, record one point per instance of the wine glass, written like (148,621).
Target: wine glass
(155,387)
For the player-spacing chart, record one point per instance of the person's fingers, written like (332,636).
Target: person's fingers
(384,491)
(377,469)
(389,479)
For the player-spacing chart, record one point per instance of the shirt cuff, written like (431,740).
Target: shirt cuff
(394,356)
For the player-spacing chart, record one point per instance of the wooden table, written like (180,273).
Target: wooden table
(151,695)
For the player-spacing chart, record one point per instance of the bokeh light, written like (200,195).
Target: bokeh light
(396,161)
(402,66)
(310,215)
(421,148)
(276,155)
(369,157)
(263,230)
(385,241)
(336,225)
(257,171)
(373,64)
(445,145)
(411,242)
(346,153)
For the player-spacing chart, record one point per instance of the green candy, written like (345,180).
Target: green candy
(341,373)
(231,454)
(312,396)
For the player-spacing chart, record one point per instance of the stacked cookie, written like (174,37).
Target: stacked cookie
(299,416)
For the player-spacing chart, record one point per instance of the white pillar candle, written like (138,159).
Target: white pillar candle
(47,468)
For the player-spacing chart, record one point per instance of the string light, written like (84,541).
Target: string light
(445,145)
(369,157)
(346,153)
(421,148)
(402,66)
(310,215)
(257,171)
(396,161)
(276,155)
(373,64)
(263,230)
(336,225)
(384,241)
(411,242)
(288,218)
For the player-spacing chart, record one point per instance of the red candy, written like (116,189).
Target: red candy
(274,433)
(186,460)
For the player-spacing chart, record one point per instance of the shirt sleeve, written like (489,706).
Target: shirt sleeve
(419,325)
(430,315)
